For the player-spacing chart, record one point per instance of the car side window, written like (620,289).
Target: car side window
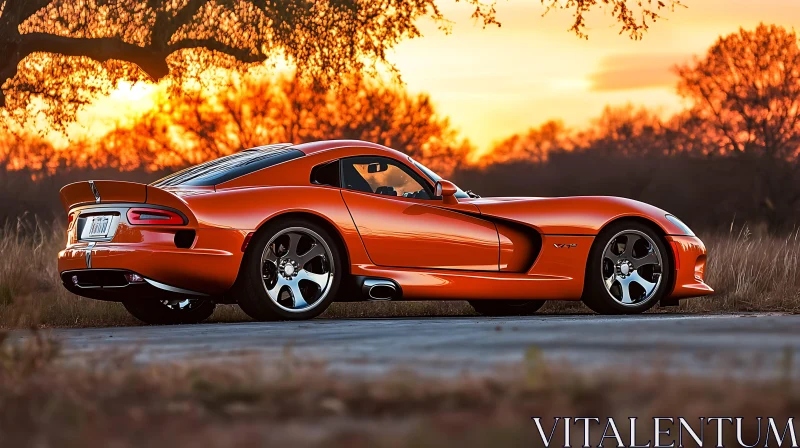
(384,176)
(326,174)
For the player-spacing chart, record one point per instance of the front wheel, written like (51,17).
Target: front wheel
(170,312)
(506,307)
(629,269)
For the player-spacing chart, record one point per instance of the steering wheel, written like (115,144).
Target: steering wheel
(419,194)
(386,190)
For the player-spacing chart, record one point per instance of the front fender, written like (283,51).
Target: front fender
(579,215)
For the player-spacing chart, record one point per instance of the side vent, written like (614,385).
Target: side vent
(184,238)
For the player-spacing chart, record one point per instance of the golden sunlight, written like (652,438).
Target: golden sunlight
(123,105)
(495,82)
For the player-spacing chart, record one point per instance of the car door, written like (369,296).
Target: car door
(403,225)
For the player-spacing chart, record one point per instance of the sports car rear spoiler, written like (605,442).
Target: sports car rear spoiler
(112,191)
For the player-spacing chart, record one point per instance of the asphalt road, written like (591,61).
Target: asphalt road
(734,344)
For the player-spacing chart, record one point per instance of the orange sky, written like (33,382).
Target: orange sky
(495,82)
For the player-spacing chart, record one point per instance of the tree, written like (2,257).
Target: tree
(748,88)
(534,146)
(626,131)
(688,134)
(633,16)
(747,91)
(65,52)
(254,109)
(387,114)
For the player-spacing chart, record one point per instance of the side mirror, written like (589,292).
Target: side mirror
(446,190)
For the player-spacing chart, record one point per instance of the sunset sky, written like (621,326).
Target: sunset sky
(495,82)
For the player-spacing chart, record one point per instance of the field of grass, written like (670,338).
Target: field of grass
(750,272)
(107,400)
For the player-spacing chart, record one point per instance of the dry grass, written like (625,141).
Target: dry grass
(751,272)
(30,287)
(110,401)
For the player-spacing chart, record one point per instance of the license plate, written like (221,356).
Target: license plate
(96,227)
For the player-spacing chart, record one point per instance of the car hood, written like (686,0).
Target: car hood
(574,215)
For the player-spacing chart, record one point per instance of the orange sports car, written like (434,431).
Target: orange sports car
(284,230)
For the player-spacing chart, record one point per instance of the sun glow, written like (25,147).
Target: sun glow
(491,83)
(120,108)
(123,105)
(495,82)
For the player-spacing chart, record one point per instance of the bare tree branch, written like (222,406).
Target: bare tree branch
(325,40)
(241,54)
(100,49)
(167,25)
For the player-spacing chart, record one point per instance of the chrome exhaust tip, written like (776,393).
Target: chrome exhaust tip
(379,289)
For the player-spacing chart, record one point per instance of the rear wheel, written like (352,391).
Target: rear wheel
(629,269)
(506,307)
(169,312)
(292,271)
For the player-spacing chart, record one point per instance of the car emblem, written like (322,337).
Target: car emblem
(88,254)
(564,245)
(95,192)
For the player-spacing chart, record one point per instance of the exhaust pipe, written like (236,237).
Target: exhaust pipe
(379,289)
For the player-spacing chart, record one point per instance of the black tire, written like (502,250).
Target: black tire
(507,307)
(609,301)
(251,291)
(155,312)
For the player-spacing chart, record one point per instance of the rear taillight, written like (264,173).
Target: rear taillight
(154,217)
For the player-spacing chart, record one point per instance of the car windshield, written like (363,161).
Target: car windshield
(436,178)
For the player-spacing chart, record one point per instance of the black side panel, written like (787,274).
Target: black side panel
(527,243)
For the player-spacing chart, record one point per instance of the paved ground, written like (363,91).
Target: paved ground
(738,344)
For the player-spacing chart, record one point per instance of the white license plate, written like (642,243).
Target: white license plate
(96,227)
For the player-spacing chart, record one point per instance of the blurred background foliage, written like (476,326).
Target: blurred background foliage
(131,91)
(237,74)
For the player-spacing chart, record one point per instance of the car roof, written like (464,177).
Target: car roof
(328,145)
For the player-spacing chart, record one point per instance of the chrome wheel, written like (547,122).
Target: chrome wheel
(631,267)
(297,269)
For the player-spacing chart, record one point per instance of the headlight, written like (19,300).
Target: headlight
(679,224)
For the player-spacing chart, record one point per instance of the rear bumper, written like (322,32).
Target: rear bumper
(690,264)
(210,266)
(112,285)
